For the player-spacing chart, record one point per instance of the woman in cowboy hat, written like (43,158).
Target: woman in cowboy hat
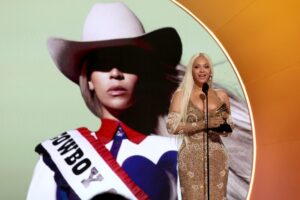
(123,74)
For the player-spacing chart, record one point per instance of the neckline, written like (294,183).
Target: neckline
(221,103)
(109,128)
(210,111)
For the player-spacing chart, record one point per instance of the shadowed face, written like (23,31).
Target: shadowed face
(114,89)
(201,70)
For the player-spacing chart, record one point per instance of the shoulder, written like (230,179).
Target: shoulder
(72,133)
(59,139)
(176,101)
(177,95)
(222,94)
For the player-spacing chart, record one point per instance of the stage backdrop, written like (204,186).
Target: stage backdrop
(38,102)
(262,38)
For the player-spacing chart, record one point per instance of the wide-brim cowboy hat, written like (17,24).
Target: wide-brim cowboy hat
(113,25)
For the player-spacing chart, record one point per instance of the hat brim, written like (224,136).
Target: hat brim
(163,44)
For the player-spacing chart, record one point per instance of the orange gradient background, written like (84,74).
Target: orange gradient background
(262,37)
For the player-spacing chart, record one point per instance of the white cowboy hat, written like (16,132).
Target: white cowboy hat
(113,25)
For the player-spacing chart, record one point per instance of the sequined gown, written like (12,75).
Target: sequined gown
(192,155)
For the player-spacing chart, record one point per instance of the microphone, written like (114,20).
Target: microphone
(205,88)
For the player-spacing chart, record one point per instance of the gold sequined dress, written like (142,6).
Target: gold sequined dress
(192,155)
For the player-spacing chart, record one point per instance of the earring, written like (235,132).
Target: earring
(91,86)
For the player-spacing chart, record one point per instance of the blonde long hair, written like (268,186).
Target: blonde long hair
(187,84)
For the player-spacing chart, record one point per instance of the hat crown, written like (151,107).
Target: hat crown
(107,21)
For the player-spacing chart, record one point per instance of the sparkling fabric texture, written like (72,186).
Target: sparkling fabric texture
(192,154)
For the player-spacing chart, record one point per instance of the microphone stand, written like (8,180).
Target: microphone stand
(205,88)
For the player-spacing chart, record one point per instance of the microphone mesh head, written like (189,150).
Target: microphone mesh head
(205,88)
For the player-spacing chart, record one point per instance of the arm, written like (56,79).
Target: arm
(42,185)
(174,125)
(224,97)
